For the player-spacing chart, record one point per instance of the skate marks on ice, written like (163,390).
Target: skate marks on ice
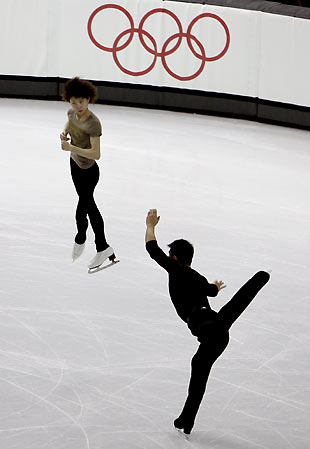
(66,402)
(37,380)
(121,376)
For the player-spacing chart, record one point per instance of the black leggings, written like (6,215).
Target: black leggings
(212,344)
(85,181)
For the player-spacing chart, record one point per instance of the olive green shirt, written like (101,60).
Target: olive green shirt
(81,132)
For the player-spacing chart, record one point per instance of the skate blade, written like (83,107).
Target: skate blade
(102,267)
(182,434)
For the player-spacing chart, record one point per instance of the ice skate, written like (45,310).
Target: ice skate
(77,250)
(181,425)
(96,263)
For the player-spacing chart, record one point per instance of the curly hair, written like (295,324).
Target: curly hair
(78,88)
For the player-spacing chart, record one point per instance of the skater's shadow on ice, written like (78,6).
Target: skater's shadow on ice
(204,439)
(102,267)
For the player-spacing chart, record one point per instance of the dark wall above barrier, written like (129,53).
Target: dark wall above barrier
(259,5)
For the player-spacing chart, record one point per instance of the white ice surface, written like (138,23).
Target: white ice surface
(102,361)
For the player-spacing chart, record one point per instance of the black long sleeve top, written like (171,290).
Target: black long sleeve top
(188,289)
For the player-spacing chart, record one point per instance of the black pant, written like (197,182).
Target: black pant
(85,181)
(214,338)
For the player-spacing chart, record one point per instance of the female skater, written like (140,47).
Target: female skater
(84,129)
(188,291)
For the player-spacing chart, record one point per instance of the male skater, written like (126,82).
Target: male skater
(189,293)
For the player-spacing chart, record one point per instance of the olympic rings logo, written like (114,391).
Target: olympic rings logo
(142,33)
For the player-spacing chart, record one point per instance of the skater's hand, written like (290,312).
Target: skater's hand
(65,145)
(152,219)
(220,284)
(64,136)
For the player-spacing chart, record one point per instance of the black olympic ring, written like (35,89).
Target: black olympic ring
(154,51)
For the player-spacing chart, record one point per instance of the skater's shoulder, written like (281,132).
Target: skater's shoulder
(156,253)
(192,271)
(195,275)
(94,125)
(70,113)
(153,248)
(94,118)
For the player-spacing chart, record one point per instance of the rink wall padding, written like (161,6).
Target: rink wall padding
(235,58)
(164,98)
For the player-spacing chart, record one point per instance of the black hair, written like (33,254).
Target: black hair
(79,89)
(183,250)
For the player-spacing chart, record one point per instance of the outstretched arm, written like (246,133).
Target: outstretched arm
(151,221)
(212,289)
(220,285)
(151,245)
(215,287)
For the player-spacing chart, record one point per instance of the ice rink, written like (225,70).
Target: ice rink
(102,361)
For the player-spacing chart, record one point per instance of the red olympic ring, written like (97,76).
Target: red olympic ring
(203,57)
(189,31)
(115,50)
(165,11)
(164,53)
(90,22)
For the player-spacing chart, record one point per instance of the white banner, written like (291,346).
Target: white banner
(160,43)
(24,37)
(155,43)
(284,59)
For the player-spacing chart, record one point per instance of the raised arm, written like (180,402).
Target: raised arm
(151,245)
(151,221)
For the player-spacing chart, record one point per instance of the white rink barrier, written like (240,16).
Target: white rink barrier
(185,47)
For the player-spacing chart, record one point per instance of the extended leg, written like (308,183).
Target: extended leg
(202,363)
(240,301)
